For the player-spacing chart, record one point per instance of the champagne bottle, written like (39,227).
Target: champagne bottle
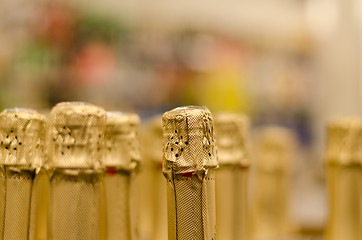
(21,154)
(153,193)
(274,149)
(231,184)
(39,206)
(343,159)
(75,137)
(122,157)
(189,164)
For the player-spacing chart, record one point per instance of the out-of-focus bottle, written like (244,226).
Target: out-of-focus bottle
(273,151)
(39,206)
(189,164)
(122,157)
(343,160)
(21,154)
(75,138)
(39,197)
(231,132)
(153,193)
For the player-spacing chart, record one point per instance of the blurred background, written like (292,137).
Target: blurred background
(294,63)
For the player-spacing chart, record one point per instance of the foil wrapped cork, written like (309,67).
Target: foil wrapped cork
(344,136)
(122,148)
(22,138)
(75,135)
(231,131)
(188,141)
(152,140)
(274,148)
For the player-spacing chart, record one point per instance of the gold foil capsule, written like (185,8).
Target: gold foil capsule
(22,138)
(189,163)
(122,148)
(75,135)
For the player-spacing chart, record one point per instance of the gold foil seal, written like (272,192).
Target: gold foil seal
(188,140)
(22,137)
(153,140)
(231,133)
(122,148)
(344,141)
(75,135)
(274,148)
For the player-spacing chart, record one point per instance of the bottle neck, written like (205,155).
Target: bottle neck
(344,185)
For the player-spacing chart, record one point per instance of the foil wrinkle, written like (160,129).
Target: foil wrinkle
(188,140)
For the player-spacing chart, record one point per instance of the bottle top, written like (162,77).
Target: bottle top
(22,137)
(75,135)
(344,141)
(188,140)
(152,140)
(122,148)
(274,148)
(231,132)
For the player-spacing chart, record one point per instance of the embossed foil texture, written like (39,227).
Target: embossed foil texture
(21,153)
(75,137)
(122,158)
(231,131)
(189,163)
(343,159)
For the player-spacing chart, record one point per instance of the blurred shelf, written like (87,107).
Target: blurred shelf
(273,20)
